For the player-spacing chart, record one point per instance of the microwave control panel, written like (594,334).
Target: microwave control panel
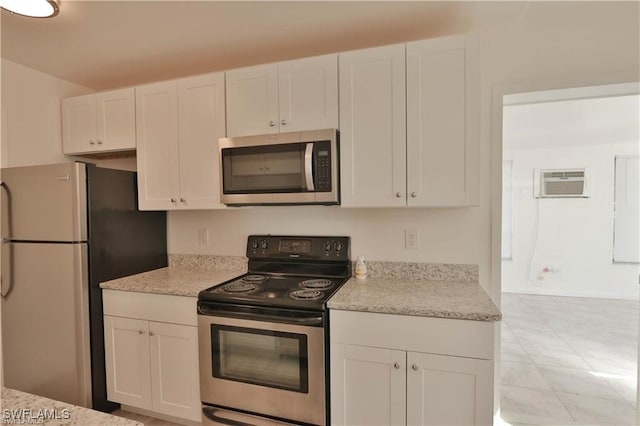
(322,156)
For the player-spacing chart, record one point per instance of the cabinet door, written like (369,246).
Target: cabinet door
(127,361)
(79,124)
(447,390)
(368,385)
(373,127)
(174,370)
(308,94)
(201,123)
(157,152)
(252,100)
(440,159)
(116,120)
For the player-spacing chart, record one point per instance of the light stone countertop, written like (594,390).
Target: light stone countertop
(173,280)
(25,408)
(427,298)
(415,289)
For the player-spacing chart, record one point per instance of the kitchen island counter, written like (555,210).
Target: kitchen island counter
(25,408)
(416,297)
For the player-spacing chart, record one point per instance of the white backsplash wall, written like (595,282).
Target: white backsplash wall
(376,234)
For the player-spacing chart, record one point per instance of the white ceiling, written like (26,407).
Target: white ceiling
(108,44)
(572,122)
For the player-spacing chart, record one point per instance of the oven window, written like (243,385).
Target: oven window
(262,357)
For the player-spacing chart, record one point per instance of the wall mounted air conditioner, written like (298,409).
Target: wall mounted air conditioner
(561,183)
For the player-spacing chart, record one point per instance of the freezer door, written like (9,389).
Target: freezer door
(45,321)
(45,203)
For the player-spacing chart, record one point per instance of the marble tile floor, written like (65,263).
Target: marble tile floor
(568,361)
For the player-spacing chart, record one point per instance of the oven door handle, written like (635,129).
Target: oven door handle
(308,166)
(308,321)
(210,413)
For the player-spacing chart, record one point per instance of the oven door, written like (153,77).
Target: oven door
(270,368)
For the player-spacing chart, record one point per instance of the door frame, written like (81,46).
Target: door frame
(497,103)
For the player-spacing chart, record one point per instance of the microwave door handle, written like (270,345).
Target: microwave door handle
(308,166)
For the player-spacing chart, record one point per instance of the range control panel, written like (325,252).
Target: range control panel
(298,247)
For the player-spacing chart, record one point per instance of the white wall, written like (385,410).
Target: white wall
(31,114)
(32,120)
(574,235)
(558,41)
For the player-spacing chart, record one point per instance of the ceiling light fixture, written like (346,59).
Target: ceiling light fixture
(32,8)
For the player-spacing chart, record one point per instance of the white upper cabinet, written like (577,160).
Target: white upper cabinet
(281,97)
(99,122)
(410,139)
(308,94)
(373,127)
(442,131)
(252,100)
(179,123)
(157,154)
(201,122)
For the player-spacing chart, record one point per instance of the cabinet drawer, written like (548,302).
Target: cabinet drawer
(152,307)
(465,338)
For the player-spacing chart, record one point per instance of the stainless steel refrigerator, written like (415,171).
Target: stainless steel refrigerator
(66,228)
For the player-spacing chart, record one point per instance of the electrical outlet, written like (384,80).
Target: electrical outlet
(411,239)
(203,236)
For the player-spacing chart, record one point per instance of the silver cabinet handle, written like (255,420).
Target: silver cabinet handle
(140,331)
(92,142)
(272,123)
(173,200)
(396,366)
(152,333)
(182,200)
(398,194)
(414,194)
(415,367)
(99,141)
(283,122)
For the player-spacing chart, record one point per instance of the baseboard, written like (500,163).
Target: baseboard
(549,292)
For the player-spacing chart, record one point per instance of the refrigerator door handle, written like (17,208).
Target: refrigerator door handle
(9,248)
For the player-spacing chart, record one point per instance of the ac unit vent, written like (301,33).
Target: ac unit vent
(563,183)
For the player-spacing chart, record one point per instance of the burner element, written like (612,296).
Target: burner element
(253,278)
(306,294)
(317,284)
(239,287)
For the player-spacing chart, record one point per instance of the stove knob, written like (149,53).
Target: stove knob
(254,244)
(327,246)
(338,246)
(264,244)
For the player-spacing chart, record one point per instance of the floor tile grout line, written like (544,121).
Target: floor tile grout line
(548,325)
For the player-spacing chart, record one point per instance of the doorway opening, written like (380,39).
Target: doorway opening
(569,342)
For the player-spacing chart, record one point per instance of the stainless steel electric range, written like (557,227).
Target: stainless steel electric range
(263,336)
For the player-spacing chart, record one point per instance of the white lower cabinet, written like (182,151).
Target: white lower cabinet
(375,382)
(448,390)
(366,388)
(152,365)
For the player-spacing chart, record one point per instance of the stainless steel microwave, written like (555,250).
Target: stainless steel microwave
(282,168)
